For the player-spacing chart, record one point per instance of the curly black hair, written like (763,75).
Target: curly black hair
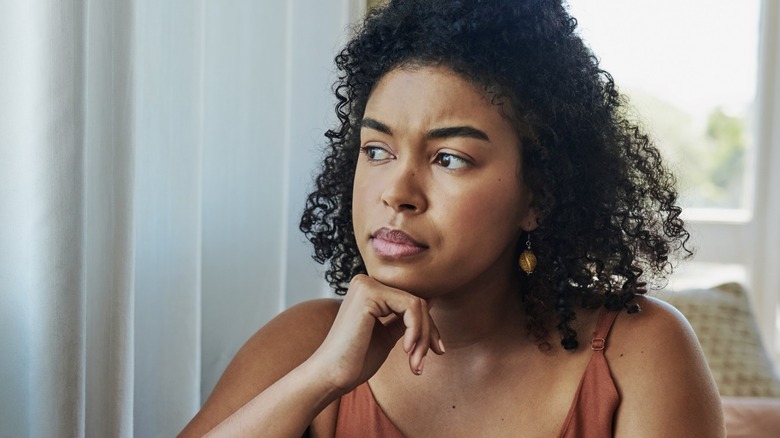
(606,204)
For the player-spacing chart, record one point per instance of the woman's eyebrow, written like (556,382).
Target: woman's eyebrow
(378,126)
(457,131)
(438,133)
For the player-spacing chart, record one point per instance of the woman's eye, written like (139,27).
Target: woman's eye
(449,161)
(375,153)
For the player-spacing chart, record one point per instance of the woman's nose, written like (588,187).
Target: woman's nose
(405,189)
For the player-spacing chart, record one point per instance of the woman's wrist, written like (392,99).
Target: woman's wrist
(328,379)
(321,380)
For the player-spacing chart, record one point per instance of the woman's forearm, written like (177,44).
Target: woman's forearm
(285,409)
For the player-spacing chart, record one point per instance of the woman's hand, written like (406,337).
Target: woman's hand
(371,320)
(271,389)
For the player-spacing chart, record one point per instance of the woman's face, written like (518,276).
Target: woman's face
(438,201)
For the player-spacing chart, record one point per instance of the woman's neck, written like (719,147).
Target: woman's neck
(486,315)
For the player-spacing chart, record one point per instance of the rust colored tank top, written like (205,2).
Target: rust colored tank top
(590,415)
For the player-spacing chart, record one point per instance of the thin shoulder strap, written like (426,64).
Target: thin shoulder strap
(603,324)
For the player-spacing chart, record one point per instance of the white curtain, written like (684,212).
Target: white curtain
(154,159)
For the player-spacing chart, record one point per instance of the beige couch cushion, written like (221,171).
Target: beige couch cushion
(728,333)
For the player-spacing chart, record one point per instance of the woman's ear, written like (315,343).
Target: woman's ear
(531,221)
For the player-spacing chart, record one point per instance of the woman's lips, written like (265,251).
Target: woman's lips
(395,244)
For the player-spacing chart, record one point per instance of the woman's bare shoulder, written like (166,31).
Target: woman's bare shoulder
(658,328)
(272,352)
(297,331)
(656,317)
(664,382)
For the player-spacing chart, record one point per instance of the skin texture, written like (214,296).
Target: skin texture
(462,198)
(457,291)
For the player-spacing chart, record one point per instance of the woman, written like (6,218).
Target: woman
(477,136)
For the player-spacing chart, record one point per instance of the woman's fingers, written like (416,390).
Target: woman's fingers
(417,356)
(420,334)
(403,316)
(411,321)
(436,343)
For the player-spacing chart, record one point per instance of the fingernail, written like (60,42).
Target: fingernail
(420,368)
(441,345)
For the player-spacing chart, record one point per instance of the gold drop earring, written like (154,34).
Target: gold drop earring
(527,260)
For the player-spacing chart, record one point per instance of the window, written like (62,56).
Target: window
(701,74)
(689,69)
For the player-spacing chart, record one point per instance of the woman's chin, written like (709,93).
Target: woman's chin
(416,284)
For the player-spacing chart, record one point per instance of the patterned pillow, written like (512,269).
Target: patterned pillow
(728,333)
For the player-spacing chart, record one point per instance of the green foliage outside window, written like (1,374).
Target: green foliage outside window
(708,154)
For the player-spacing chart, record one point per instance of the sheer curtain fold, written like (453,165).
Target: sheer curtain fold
(168,110)
(109,239)
(16,187)
(43,219)
(67,247)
